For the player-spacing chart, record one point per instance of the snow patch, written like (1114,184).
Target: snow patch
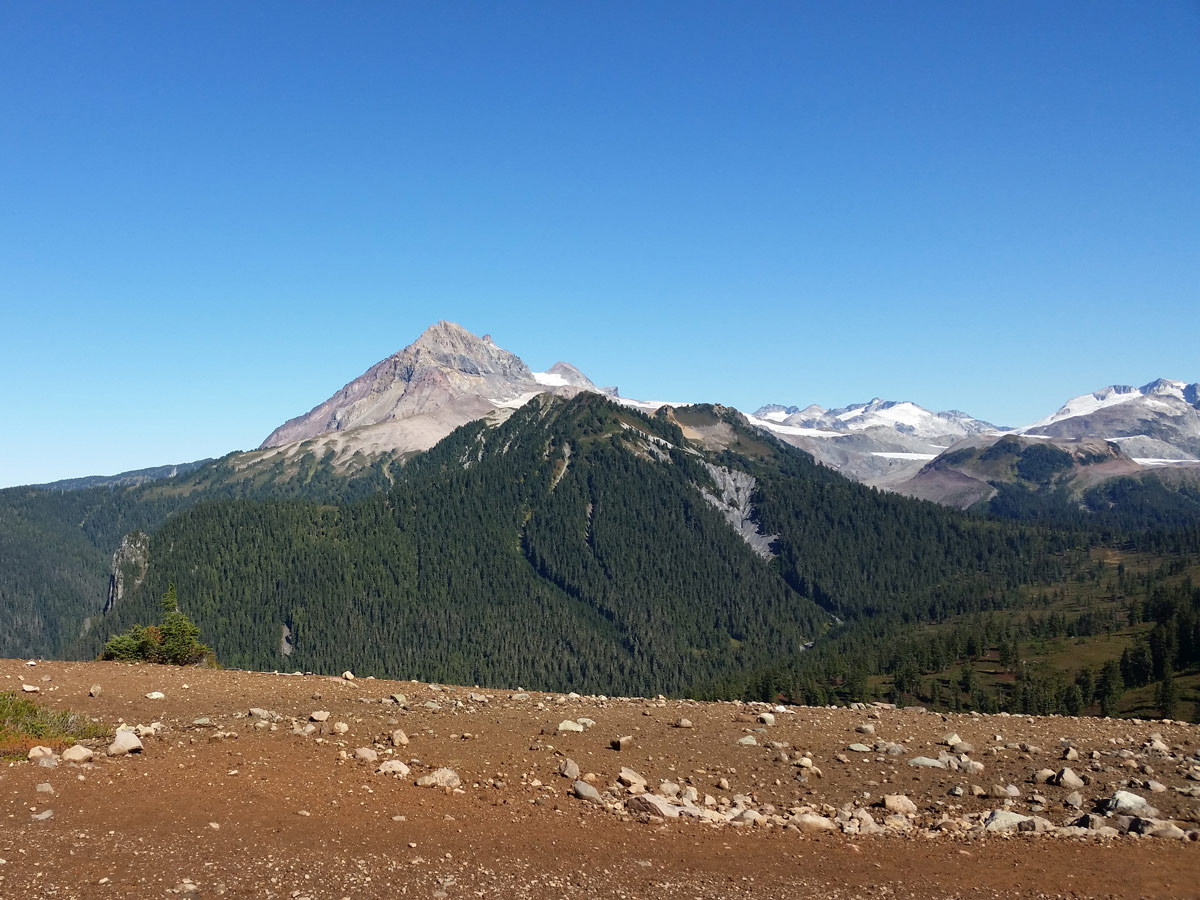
(772,425)
(550,379)
(890,455)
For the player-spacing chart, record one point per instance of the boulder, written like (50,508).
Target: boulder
(1004,820)
(125,742)
(652,804)
(392,767)
(77,754)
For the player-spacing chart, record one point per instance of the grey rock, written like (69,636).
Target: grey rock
(392,767)
(43,815)
(926,762)
(652,804)
(366,754)
(567,725)
(569,769)
(585,791)
(95,690)
(1067,778)
(811,823)
(1127,803)
(860,748)
(443,778)
(899,803)
(1003,820)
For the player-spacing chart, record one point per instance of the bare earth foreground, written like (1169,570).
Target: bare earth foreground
(222,803)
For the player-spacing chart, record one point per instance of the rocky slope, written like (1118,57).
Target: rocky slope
(268,785)
(445,378)
(1158,423)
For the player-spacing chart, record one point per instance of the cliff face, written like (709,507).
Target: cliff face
(444,365)
(129,563)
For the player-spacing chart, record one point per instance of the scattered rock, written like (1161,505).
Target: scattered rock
(156,695)
(899,803)
(125,742)
(585,791)
(366,754)
(77,754)
(569,769)
(1004,820)
(392,767)
(621,743)
(443,778)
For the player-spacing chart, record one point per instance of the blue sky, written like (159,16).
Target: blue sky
(214,215)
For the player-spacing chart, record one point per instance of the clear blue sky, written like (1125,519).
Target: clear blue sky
(213,215)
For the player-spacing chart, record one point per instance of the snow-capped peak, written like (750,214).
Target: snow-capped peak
(1116,394)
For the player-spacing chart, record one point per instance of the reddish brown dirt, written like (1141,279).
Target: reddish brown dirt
(226,815)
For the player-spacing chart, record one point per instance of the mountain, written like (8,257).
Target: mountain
(880,443)
(123,479)
(581,544)
(1156,424)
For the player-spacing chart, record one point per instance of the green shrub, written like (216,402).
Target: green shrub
(174,641)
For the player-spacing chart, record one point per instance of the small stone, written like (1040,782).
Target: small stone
(31,688)
(926,762)
(39,752)
(320,715)
(749,740)
(1004,820)
(444,778)
(621,743)
(629,778)
(95,690)
(865,728)
(398,738)
(43,815)
(810,823)
(366,754)
(585,791)
(569,769)
(1068,779)
(392,767)
(683,723)
(899,803)
(859,748)
(566,725)
(766,718)
(156,695)
(340,728)
(400,699)
(77,754)
(125,742)
(45,788)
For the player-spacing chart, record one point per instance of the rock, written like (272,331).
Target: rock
(621,743)
(1167,830)
(1043,776)
(398,738)
(1067,778)
(1156,787)
(366,754)
(43,815)
(566,725)
(926,762)
(1126,803)
(320,715)
(683,723)
(951,739)
(400,699)
(865,728)
(392,767)
(444,778)
(860,748)
(77,754)
(45,788)
(125,742)
(749,741)
(810,823)
(39,752)
(95,690)
(585,791)
(569,769)
(1004,820)
(156,695)
(629,778)
(340,728)
(1070,754)
(766,718)
(348,675)
(652,804)
(1073,800)
(31,688)
(899,803)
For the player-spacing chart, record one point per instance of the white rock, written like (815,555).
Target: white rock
(125,742)
(1004,820)
(39,752)
(445,778)
(366,754)
(77,754)
(566,725)
(899,803)
(393,767)
(156,695)
(652,804)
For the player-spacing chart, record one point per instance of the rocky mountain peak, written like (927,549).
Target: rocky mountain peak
(444,365)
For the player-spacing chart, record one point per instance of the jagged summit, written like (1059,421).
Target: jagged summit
(446,365)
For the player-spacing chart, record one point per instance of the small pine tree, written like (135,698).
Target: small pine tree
(1166,697)
(175,641)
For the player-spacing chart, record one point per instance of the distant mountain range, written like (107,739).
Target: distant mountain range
(448,377)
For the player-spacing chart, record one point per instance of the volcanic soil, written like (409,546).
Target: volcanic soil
(222,803)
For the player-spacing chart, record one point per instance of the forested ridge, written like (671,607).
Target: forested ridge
(570,547)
